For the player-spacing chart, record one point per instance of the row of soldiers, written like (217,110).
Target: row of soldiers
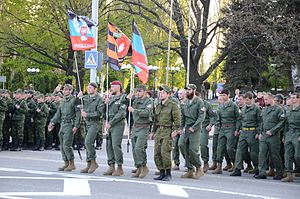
(23,118)
(244,133)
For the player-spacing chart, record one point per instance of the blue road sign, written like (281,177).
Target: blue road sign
(91,59)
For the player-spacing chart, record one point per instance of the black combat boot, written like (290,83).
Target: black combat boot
(237,172)
(168,176)
(161,175)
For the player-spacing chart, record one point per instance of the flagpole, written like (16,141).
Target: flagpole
(169,43)
(189,47)
(79,87)
(95,5)
(130,103)
(107,96)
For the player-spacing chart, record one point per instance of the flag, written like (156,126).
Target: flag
(118,46)
(81,34)
(139,57)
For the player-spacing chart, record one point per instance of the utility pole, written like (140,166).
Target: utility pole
(95,5)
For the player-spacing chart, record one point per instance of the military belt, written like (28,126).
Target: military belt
(92,119)
(227,125)
(249,129)
(142,125)
(164,126)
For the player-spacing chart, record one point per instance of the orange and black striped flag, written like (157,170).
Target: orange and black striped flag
(118,46)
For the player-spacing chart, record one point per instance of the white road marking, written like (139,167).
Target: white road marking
(172,190)
(72,187)
(96,178)
(78,187)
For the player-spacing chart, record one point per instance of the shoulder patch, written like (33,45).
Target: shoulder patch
(149,106)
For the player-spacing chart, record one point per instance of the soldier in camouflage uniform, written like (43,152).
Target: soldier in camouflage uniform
(116,113)
(228,124)
(248,138)
(273,119)
(192,117)
(292,137)
(40,122)
(52,107)
(141,109)
(29,120)
(92,109)
(68,115)
(3,109)
(165,127)
(18,118)
(175,151)
(7,121)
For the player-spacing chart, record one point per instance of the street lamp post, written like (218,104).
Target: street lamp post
(173,70)
(123,68)
(155,69)
(33,71)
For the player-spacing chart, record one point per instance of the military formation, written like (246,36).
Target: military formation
(257,136)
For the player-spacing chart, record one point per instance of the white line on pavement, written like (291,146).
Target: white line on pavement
(172,190)
(95,178)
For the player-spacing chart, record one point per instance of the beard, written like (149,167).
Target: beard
(190,95)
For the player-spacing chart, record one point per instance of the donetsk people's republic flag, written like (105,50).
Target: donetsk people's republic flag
(81,34)
(139,57)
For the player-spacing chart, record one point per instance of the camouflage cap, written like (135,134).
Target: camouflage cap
(141,87)
(165,88)
(93,84)
(19,91)
(68,86)
(279,97)
(191,86)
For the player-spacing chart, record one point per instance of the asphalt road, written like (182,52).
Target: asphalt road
(33,174)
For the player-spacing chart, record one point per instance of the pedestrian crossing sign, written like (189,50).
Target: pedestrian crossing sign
(91,59)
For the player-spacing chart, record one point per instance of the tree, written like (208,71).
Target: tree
(157,14)
(271,30)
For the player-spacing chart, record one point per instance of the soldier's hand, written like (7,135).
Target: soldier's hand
(192,129)
(17,106)
(236,133)
(106,100)
(269,133)
(208,128)
(282,140)
(74,130)
(83,114)
(299,138)
(107,125)
(38,110)
(130,109)
(80,94)
(50,127)
(257,136)
(151,136)
(129,96)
